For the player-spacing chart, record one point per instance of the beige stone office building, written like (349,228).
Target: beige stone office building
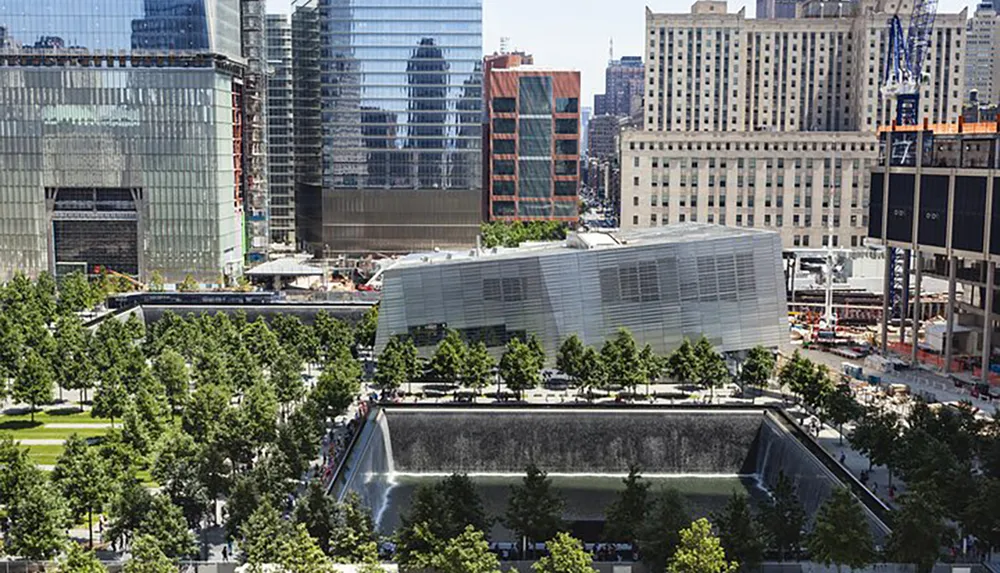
(772,123)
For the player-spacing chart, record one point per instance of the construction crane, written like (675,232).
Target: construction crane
(903,76)
(904,62)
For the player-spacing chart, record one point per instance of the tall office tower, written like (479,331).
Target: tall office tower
(280,130)
(400,99)
(772,122)
(982,61)
(532,144)
(254,97)
(622,87)
(122,144)
(306,123)
(585,113)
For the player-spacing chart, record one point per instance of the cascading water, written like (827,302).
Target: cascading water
(673,448)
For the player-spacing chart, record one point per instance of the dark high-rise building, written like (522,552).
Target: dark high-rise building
(280,129)
(776,9)
(622,88)
(126,144)
(397,166)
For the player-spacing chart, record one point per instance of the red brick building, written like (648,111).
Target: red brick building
(531,147)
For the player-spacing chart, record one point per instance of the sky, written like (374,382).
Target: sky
(575,34)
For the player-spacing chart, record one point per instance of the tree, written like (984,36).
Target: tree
(393,370)
(156,282)
(11,342)
(443,511)
(286,377)
(111,396)
(797,374)
(841,408)
(569,359)
(652,365)
(301,554)
(626,514)
(712,371)
(263,534)
(466,553)
(34,381)
(683,365)
(534,511)
(621,359)
(261,342)
(566,555)
(319,514)
(365,329)
(165,523)
(244,371)
(75,293)
(148,558)
(519,367)
(919,531)
(17,471)
(76,560)
(203,415)
(128,508)
(700,552)
(537,350)
(782,516)
(38,522)
(337,388)
(740,534)
(189,284)
(477,371)
(211,369)
(876,435)
(594,373)
(840,535)
(660,535)
(45,296)
(73,369)
(449,358)
(172,372)
(83,478)
(354,532)
(758,367)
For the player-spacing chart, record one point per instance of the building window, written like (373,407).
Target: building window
(567,105)
(535,95)
(635,181)
(805,240)
(566,167)
(635,219)
(565,188)
(504,125)
(504,105)
(507,188)
(504,147)
(566,126)
(567,147)
(635,201)
(503,167)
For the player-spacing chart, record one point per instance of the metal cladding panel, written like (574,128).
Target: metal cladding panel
(729,289)
(995,221)
(933,224)
(967,231)
(875,203)
(901,190)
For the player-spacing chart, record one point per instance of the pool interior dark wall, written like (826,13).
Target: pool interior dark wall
(415,442)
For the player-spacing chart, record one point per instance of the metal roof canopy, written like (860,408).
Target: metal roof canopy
(285,268)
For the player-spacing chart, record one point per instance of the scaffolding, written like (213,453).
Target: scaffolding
(256,199)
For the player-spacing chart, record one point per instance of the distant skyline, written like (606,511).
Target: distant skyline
(577,37)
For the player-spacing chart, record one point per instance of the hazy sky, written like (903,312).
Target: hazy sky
(574,34)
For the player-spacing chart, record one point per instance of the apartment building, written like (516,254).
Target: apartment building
(750,92)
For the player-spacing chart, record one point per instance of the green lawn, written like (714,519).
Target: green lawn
(44,455)
(25,431)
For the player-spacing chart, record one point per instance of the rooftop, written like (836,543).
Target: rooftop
(586,241)
(534,68)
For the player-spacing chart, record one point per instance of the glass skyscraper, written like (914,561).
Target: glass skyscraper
(121,137)
(401,99)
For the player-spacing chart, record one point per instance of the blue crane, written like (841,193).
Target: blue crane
(901,82)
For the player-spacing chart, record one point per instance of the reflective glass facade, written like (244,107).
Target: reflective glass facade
(129,163)
(123,25)
(401,91)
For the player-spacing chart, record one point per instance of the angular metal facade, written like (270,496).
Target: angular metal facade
(664,285)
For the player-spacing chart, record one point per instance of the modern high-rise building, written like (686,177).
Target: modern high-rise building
(280,129)
(400,118)
(532,147)
(768,123)
(982,61)
(125,142)
(622,87)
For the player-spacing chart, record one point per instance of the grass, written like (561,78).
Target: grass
(60,416)
(40,432)
(44,455)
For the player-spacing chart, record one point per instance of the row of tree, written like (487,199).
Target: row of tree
(502,234)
